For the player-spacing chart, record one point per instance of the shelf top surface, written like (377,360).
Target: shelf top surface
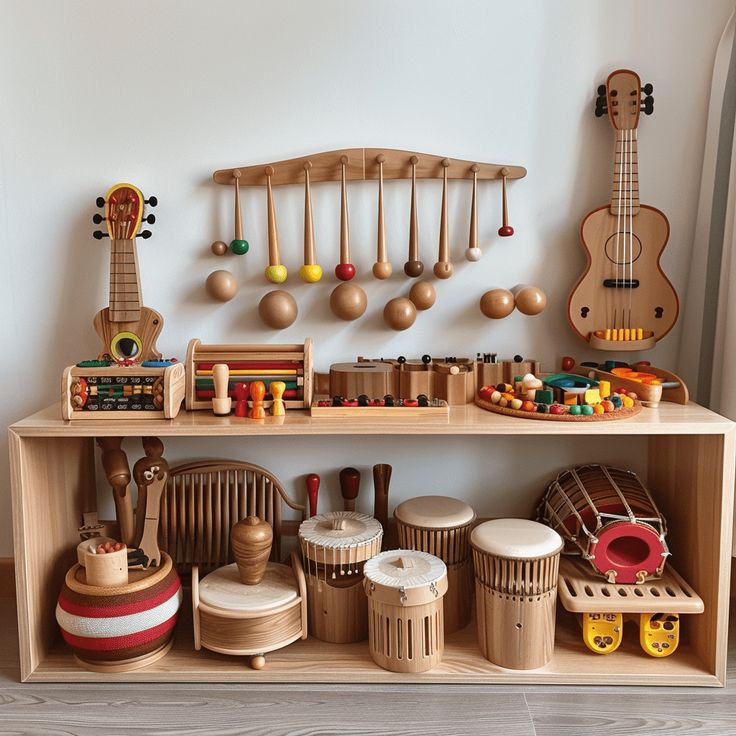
(463,420)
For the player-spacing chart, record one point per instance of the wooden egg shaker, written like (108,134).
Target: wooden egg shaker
(334,548)
(441,526)
(405,589)
(516,563)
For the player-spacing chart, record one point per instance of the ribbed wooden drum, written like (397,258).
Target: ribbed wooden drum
(516,563)
(440,525)
(251,620)
(120,628)
(334,547)
(405,589)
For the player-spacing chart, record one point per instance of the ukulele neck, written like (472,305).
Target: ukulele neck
(625,189)
(125,284)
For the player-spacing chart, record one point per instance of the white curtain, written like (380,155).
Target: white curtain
(707,360)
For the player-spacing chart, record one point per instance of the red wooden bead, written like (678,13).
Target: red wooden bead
(568,363)
(557,409)
(345,271)
(505,231)
(411,402)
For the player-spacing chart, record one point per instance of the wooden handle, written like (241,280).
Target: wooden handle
(274,258)
(413,267)
(349,487)
(381,480)
(220,377)
(381,268)
(344,219)
(443,268)
(117,470)
(313,481)
(238,215)
(308,221)
(473,252)
(505,230)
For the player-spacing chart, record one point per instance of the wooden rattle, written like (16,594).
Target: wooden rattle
(344,270)
(473,253)
(530,300)
(423,294)
(443,269)
(505,230)
(238,245)
(413,267)
(310,271)
(497,303)
(277,389)
(221,403)
(278,309)
(349,487)
(251,539)
(258,394)
(221,285)
(275,272)
(348,301)
(400,313)
(382,267)
(312,481)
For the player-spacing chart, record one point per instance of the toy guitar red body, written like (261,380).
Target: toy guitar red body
(128,330)
(623,301)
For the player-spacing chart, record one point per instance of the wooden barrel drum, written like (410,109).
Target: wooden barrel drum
(441,526)
(120,628)
(405,589)
(516,563)
(334,548)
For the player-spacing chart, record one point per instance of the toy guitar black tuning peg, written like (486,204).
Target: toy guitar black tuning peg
(601,108)
(97,219)
(100,201)
(648,88)
(98,235)
(151,201)
(150,219)
(145,234)
(602,90)
(648,106)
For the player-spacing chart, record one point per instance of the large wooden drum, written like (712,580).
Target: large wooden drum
(251,620)
(334,548)
(405,589)
(440,525)
(124,627)
(516,563)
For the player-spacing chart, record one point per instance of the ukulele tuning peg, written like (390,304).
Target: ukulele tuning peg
(100,201)
(648,106)
(97,219)
(98,235)
(150,219)
(145,234)
(601,108)
(151,201)
(602,90)
(648,88)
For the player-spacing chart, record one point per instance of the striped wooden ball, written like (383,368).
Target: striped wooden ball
(123,627)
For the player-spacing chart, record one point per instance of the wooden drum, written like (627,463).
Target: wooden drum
(233,618)
(441,526)
(405,589)
(334,547)
(516,563)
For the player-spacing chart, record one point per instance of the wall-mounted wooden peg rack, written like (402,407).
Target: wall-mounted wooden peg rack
(362,165)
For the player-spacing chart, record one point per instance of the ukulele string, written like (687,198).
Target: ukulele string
(631,221)
(622,156)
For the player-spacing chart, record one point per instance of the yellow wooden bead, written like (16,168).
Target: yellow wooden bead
(597,409)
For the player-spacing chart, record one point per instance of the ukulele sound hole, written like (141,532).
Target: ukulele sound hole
(584,312)
(622,250)
(658,312)
(125,346)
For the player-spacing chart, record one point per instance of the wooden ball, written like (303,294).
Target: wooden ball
(278,309)
(345,271)
(219,248)
(258,662)
(310,273)
(276,274)
(473,254)
(413,269)
(443,269)
(221,285)
(400,313)
(530,300)
(382,269)
(423,295)
(348,301)
(497,303)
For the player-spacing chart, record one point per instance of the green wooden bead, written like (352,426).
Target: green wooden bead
(575,410)
(239,247)
(586,410)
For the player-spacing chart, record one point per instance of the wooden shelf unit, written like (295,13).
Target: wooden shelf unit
(692,453)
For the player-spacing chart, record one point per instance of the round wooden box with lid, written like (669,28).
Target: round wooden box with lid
(405,589)
(334,548)
(251,620)
(440,525)
(516,563)
(119,628)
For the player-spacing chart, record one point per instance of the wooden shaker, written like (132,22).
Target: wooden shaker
(251,540)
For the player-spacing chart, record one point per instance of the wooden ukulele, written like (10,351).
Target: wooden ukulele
(128,330)
(624,301)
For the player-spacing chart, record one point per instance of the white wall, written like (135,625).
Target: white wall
(163,93)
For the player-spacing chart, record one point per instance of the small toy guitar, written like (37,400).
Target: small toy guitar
(128,330)
(624,301)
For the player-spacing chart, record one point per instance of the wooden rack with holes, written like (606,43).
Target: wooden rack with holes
(201,358)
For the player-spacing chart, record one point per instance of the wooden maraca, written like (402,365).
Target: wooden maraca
(312,481)
(277,389)
(221,403)
(505,230)
(443,269)
(349,487)
(258,394)
(238,245)
(382,267)
(473,253)
(275,272)
(413,267)
(310,272)
(344,270)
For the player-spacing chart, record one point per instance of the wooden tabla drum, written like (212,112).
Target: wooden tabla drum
(251,620)
(607,516)
(405,589)
(119,628)
(441,526)
(516,563)
(334,547)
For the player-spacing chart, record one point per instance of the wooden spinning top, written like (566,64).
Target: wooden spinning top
(400,313)
(348,301)
(251,540)
(278,309)
(497,303)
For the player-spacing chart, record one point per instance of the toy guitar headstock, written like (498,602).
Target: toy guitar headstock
(624,98)
(123,205)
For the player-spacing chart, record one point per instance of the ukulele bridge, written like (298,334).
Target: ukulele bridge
(621,283)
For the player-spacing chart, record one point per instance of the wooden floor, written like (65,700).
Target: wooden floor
(342,710)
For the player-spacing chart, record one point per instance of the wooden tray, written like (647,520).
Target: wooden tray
(609,417)
(581,591)
(397,412)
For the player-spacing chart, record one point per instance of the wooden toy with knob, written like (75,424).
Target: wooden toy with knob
(238,244)
(473,253)
(413,266)
(311,271)
(505,231)
(276,273)
(443,269)
(277,389)
(258,394)
(221,403)
(382,267)
(312,481)
(344,270)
